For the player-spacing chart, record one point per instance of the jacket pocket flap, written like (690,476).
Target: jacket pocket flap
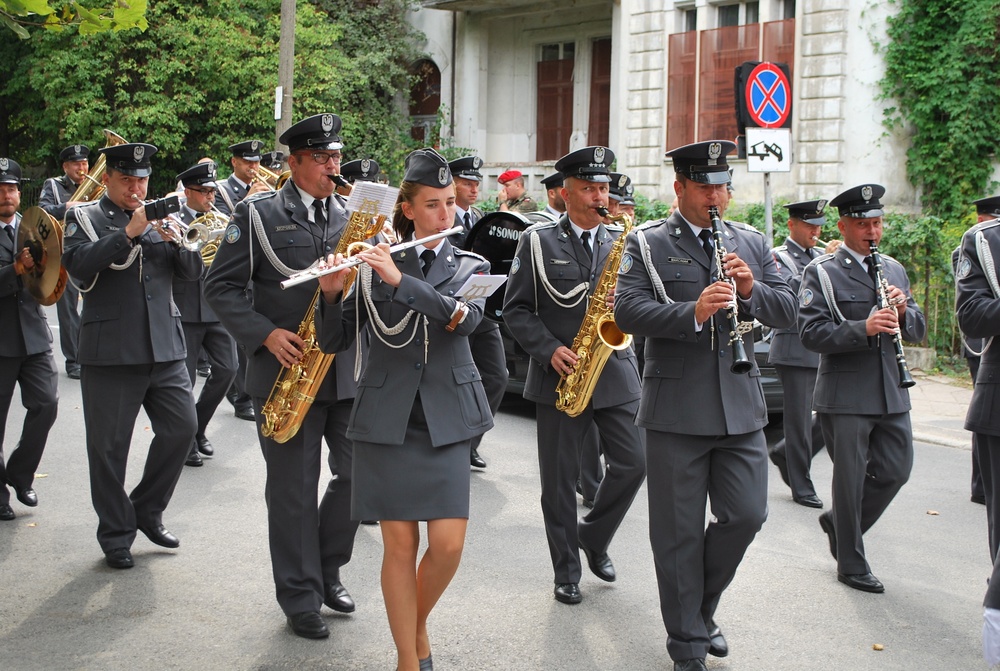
(466,373)
(669,368)
(373,378)
(101,314)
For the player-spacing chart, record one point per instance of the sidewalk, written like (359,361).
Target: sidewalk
(938,414)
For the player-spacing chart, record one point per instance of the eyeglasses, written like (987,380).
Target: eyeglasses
(203,192)
(323,157)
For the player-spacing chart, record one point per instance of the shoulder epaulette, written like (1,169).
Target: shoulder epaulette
(540,226)
(614,227)
(780,248)
(260,196)
(465,252)
(822,259)
(985,224)
(745,227)
(651,224)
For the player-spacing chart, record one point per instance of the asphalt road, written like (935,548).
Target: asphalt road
(210,604)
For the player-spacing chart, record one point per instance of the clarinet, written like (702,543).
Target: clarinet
(882,293)
(741,362)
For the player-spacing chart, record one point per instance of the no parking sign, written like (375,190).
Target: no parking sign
(763,95)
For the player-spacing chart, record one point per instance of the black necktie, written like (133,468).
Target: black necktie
(320,216)
(585,239)
(468,221)
(706,243)
(871,271)
(10,231)
(426,259)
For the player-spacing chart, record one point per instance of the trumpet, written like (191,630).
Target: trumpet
(271,179)
(319,271)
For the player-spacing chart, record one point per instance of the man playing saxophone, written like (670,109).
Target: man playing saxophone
(131,351)
(270,237)
(863,409)
(202,329)
(556,268)
(703,417)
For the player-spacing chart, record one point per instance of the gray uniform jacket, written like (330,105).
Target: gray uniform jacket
(190,295)
(786,347)
(846,383)
(688,386)
(297,243)
(437,363)
(56,192)
(129,316)
(25,330)
(230,193)
(978,309)
(540,324)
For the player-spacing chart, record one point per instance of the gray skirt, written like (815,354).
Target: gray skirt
(412,481)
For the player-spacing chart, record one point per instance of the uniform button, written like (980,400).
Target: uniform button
(409,301)
(290,241)
(418,366)
(451,292)
(852,295)
(683,335)
(657,371)
(677,275)
(149,296)
(147,278)
(328,248)
(418,341)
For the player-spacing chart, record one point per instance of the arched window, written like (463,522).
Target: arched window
(425,101)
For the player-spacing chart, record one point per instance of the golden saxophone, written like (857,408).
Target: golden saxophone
(295,389)
(598,335)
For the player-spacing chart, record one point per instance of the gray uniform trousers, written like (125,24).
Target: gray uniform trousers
(308,543)
(37,377)
(803,435)
(112,396)
(989,468)
(68,312)
(560,439)
(694,565)
(487,351)
(864,480)
(220,348)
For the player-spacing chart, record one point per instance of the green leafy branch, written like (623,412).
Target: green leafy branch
(19,15)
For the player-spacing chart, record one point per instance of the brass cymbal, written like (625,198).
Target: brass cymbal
(42,235)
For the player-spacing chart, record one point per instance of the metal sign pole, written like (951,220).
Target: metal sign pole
(768,219)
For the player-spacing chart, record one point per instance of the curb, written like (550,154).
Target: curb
(936,438)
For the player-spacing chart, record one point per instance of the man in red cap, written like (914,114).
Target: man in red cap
(512,196)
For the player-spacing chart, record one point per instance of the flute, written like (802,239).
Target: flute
(316,272)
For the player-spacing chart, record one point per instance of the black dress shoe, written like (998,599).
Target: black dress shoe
(337,598)
(978,498)
(193,458)
(600,564)
(204,446)
(119,558)
(370,523)
(690,665)
(827,524)
(865,582)
(246,412)
(161,536)
(568,592)
(778,459)
(73,372)
(308,625)
(204,371)
(476,460)
(809,501)
(27,496)
(717,646)
(6,512)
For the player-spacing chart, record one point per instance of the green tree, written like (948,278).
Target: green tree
(19,15)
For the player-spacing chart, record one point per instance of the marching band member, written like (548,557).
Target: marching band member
(420,398)
(703,421)
(25,354)
(555,269)
(132,351)
(55,199)
(863,409)
(202,330)
(270,237)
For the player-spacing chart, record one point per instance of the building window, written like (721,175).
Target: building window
(425,101)
(788,9)
(690,18)
(701,101)
(729,15)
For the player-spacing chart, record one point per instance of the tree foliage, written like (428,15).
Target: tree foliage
(202,76)
(942,76)
(19,15)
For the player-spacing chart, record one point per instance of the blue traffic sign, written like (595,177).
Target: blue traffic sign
(768,96)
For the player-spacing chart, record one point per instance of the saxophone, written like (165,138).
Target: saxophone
(295,389)
(598,335)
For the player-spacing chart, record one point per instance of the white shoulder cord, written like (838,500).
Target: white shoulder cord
(654,277)
(824,280)
(365,280)
(990,270)
(559,299)
(55,191)
(266,245)
(84,220)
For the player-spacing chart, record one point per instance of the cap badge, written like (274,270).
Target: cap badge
(820,206)
(621,181)
(714,152)
(476,163)
(255,145)
(4,164)
(138,153)
(599,155)
(77,149)
(443,176)
(629,190)
(366,165)
(211,172)
(866,192)
(327,123)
